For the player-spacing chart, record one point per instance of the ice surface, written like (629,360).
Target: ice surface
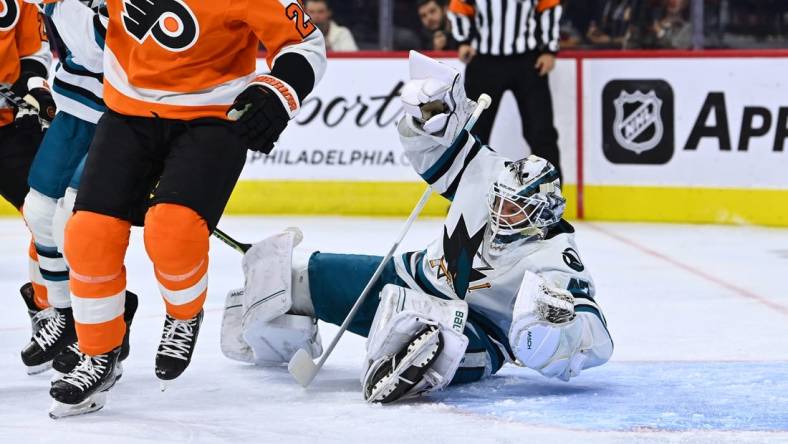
(699,316)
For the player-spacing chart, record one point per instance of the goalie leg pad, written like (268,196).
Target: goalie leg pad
(267,268)
(414,323)
(268,343)
(275,342)
(390,379)
(231,338)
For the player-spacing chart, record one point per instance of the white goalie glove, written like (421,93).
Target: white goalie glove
(545,334)
(415,344)
(434,100)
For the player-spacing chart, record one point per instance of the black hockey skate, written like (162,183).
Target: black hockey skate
(37,315)
(84,389)
(392,377)
(176,347)
(68,358)
(55,334)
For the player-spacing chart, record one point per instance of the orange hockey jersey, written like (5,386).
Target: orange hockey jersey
(186,59)
(22,38)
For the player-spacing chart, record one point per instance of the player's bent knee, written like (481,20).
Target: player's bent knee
(95,244)
(39,211)
(176,237)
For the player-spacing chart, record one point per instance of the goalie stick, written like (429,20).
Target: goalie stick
(301,366)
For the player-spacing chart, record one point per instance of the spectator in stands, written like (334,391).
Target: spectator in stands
(436,30)
(338,38)
(673,30)
(612,24)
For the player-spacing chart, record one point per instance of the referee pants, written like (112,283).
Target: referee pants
(495,75)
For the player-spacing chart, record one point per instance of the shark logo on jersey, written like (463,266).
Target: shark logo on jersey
(460,248)
(9,14)
(170,23)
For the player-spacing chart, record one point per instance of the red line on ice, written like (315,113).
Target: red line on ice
(739,291)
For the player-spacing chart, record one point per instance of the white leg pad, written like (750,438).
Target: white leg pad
(275,342)
(267,268)
(231,338)
(401,314)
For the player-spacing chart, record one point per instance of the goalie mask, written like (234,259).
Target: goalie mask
(524,201)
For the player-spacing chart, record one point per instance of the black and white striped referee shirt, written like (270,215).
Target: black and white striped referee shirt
(506,27)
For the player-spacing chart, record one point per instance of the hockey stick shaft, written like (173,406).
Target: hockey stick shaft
(305,378)
(17,101)
(224,237)
(413,215)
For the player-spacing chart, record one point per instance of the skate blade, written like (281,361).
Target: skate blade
(90,405)
(38,369)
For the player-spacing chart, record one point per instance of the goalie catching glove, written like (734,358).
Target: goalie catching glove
(261,112)
(545,334)
(415,345)
(434,100)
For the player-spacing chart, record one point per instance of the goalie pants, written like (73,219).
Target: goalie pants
(183,172)
(17,149)
(337,280)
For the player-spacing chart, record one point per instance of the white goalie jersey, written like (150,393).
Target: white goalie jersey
(463,262)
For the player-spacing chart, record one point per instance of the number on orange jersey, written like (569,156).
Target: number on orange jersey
(303,24)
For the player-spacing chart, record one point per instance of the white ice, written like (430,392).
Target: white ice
(699,315)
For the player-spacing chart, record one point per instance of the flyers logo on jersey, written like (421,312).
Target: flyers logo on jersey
(9,14)
(170,23)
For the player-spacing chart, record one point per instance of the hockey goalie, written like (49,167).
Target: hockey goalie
(503,282)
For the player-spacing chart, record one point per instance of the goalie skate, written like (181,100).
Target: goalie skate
(392,377)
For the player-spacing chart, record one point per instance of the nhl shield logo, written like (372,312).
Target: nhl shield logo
(637,119)
(630,129)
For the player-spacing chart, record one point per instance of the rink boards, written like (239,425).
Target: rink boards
(652,136)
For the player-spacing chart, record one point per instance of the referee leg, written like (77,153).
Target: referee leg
(485,74)
(532,93)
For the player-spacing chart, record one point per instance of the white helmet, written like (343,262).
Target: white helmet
(524,201)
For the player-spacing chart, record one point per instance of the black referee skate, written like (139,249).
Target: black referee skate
(176,347)
(84,389)
(55,334)
(68,358)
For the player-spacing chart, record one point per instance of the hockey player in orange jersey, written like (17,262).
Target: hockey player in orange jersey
(24,67)
(173,72)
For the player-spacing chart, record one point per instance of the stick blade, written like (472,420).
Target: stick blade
(302,368)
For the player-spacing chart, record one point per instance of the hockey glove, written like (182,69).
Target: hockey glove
(434,100)
(260,117)
(36,93)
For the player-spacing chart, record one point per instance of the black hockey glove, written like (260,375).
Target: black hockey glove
(42,102)
(260,117)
